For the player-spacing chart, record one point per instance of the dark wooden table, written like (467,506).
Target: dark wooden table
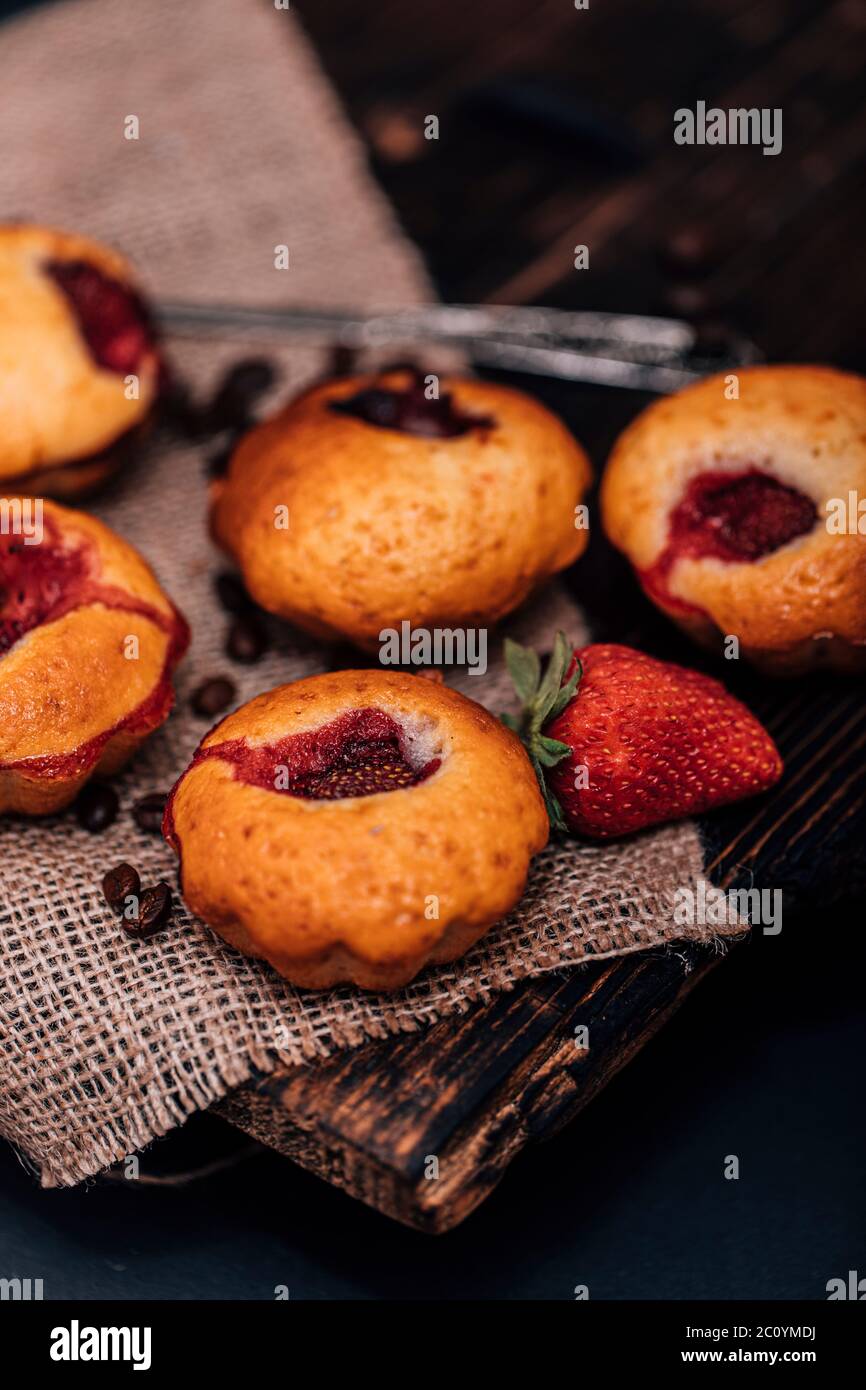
(498,203)
(556,129)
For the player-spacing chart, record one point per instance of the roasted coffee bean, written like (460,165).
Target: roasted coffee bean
(689,302)
(178,411)
(154,908)
(690,252)
(217,465)
(96,807)
(232,594)
(234,403)
(247,640)
(148,812)
(118,884)
(343,360)
(213,696)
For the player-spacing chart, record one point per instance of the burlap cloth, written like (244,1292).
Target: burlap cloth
(107,1043)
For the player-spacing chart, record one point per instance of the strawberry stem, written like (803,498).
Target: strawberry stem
(544,696)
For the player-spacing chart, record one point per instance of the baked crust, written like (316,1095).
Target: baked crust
(72,702)
(60,411)
(337,891)
(386,526)
(803,604)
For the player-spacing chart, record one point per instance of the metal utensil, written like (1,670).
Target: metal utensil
(629,350)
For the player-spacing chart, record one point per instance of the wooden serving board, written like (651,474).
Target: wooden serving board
(472,1090)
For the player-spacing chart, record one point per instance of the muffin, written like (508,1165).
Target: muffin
(88,643)
(736,514)
(79,365)
(353,827)
(365,504)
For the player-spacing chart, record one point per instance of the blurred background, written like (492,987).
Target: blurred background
(556,129)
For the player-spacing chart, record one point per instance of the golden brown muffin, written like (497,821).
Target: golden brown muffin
(356,826)
(729,510)
(363,504)
(88,642)
(74,331)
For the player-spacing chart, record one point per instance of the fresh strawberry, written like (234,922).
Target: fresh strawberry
(620,741)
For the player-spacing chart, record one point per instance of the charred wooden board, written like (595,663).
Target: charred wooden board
(468,1092)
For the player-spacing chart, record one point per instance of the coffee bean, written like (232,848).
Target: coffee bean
(690,252)
(343,360)
(217,465)
(118,884)
(154,907)
(213,696)
(232,594)
(148,812)
(96,807)
(178,410)
(233,405)
(688,302)
(247,640)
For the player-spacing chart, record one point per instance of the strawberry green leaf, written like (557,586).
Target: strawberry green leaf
(568,691)
(542,697)
(524,668)
(554,810)
(550,751)
(553,677)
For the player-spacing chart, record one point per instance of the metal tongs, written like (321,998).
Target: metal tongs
(635,351)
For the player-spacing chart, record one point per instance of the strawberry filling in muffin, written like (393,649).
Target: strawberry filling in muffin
(409,411)
(41,583)
(735,517)
(112,318)
(361,753)
(37,584)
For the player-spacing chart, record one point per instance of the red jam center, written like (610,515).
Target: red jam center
(40,583)
(112,317)
(736,517)
(409,411)
(739,516)
(37,584)
(358,754)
